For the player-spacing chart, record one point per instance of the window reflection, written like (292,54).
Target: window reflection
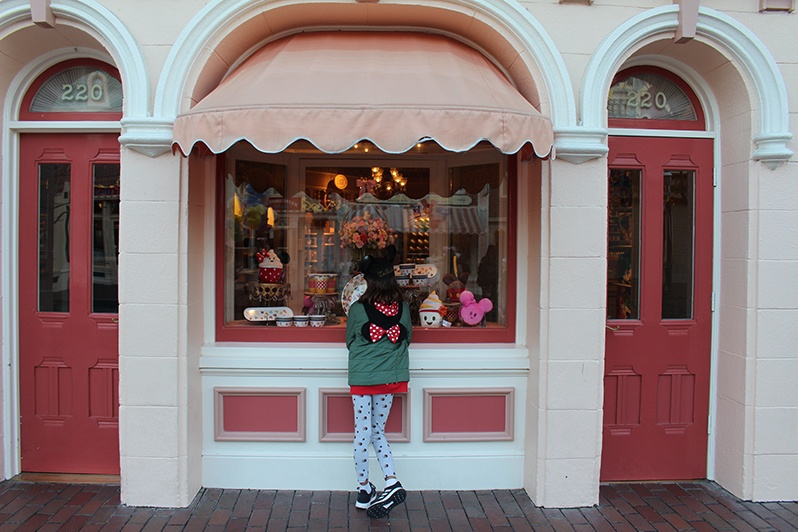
(677,241)
(623,245)
(105,238)
(54,253)
(446,213)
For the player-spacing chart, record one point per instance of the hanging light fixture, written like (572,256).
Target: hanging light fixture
(387,186)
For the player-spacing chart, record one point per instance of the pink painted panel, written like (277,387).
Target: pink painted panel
(260,413)
(463,413)
(469,414)
(339,414)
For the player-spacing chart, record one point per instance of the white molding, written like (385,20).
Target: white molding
(149,136)
(139,133)
(95,19)
(10,238)
(220,18)
(10,305)
(777,5)
(124,53)
(666,133)
(580,144)
(742,44)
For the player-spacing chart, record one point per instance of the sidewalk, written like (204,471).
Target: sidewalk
(683,506)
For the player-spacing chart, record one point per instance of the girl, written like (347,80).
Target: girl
(378,332)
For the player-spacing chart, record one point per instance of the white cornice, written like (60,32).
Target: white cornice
(749,53)
(149,136)
(508,17)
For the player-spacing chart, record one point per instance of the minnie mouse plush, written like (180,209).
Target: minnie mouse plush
(472,311)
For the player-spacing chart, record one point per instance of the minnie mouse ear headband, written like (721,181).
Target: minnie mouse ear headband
(379,267)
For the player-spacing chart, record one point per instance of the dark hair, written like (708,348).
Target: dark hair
(380,280)
(382,290)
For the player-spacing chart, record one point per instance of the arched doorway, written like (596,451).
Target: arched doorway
(659,281)
(68,304)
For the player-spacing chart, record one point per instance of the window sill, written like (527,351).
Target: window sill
(309,358)
(245,332)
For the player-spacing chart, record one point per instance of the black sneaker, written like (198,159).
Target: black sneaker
(390,498)
(364,500)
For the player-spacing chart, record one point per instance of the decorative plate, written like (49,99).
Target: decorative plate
(267,313)
(425,270)
(352,291)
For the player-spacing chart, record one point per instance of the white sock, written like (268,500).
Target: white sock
(366,488)
(390,482)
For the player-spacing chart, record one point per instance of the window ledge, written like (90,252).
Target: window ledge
(308,358)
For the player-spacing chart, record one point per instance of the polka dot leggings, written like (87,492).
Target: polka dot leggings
(371,413)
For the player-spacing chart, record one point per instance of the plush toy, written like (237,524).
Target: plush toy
(472,311)
(432,311)
(455,285)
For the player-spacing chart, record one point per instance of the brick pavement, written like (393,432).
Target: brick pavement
(648,507)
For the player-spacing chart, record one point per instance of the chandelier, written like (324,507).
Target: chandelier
(387,186)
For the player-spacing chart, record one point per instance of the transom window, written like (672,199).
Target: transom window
(652,98)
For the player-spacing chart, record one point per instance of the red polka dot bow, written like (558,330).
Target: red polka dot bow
(376,332)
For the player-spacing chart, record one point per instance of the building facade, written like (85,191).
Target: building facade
(617,178)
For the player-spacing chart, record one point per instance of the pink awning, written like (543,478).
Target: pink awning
(392,88)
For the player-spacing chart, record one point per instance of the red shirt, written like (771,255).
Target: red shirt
(376,389)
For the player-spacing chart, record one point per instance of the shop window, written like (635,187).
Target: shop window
(293,227)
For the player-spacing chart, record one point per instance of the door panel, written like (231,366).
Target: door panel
(659,290)
(68,228)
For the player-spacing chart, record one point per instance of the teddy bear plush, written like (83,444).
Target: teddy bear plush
(455,284)
(472,311)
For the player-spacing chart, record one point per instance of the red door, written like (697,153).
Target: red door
(68,371)
(659,298)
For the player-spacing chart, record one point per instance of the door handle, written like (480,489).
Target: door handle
(616,328)
(114,320)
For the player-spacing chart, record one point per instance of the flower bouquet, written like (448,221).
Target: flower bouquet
(365,235)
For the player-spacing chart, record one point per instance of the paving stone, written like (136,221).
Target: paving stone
(633,507)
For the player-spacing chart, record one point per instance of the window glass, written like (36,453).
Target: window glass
(678,244)
(54,252)
(105,239)
(649,96)
(297,223)
(623,244)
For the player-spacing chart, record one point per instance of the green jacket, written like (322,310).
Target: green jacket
(380,362)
